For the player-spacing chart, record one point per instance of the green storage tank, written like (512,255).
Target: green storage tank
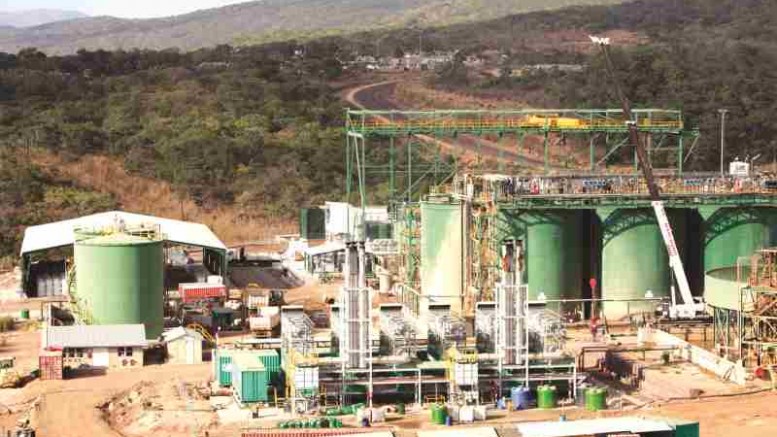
(312,223)
(546,397)
(249,378)
(442,240)
(119,279)
(596,399)
(731,233)
(634,258)
(554,249)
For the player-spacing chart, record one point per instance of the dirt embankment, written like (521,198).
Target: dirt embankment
(155,197)
(172,408)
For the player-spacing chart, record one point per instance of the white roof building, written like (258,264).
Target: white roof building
(61,234)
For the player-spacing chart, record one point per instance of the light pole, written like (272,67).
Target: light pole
(723,113)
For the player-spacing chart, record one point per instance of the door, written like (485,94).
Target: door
(189,350)
(101,357)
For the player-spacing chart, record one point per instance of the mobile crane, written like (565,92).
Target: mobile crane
(690,307)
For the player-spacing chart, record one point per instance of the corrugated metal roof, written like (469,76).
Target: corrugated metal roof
(332,246)
(469,432)
(59,234)
(633,425)
(178,332)
(94,336)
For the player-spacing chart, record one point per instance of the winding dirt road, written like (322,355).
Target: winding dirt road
(380,96)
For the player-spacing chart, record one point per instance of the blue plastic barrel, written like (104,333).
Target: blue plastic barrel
(521,396)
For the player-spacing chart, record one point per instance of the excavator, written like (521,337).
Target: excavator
(689,307)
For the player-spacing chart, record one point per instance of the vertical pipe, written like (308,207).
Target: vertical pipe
(723,113)
(409,170)
(545,145)
(348,168)
(680,155)
(591,154)
(392,187)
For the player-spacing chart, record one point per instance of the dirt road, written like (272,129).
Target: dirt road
(380,96)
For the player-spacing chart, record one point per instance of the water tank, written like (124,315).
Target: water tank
(119,280)
(635,260)
(731,233)
(442,258)
(554,250)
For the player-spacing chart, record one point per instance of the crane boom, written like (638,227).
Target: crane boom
(688,308)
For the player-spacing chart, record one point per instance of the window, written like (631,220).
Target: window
(79,352)
(125,351)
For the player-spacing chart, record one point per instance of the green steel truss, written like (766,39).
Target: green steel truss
(604,132)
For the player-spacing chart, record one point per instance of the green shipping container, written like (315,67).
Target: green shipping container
(312,223)
(249,378)
(271,361)
(223,369)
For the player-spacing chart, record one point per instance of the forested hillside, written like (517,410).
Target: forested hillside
(257,128)
(700,56)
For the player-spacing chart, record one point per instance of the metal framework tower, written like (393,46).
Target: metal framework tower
(512,305)
(356,305)
(498,136)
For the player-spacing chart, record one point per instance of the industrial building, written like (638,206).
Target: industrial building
(106,346)
(116,267)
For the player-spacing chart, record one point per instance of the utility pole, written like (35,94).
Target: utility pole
(723,113)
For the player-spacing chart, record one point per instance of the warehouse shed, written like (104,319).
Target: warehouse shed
(63,235)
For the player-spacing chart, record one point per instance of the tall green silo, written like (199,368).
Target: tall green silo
(554,249)
(731,233)
(442,255)
(634,258)
(119,280)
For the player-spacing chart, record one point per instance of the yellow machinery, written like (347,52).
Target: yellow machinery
(9,377)
(202,331)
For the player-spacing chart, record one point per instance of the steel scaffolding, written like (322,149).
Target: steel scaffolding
(601,129)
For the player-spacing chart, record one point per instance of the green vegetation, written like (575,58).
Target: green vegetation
(258,128)
(28,197)
(701,55)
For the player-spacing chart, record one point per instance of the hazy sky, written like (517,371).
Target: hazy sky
(118,8)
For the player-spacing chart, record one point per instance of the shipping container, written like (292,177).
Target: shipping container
(264,322)
(249,378)
(50,365)
(271,361)
(191,292)
(223,366)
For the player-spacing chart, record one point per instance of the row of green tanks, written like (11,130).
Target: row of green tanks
(620,248)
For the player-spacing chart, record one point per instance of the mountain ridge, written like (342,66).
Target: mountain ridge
(262,21)
(36,17)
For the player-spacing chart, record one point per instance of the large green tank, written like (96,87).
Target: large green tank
(442,258)
(119,280)
(731,233)
(634,258)
(554,249)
